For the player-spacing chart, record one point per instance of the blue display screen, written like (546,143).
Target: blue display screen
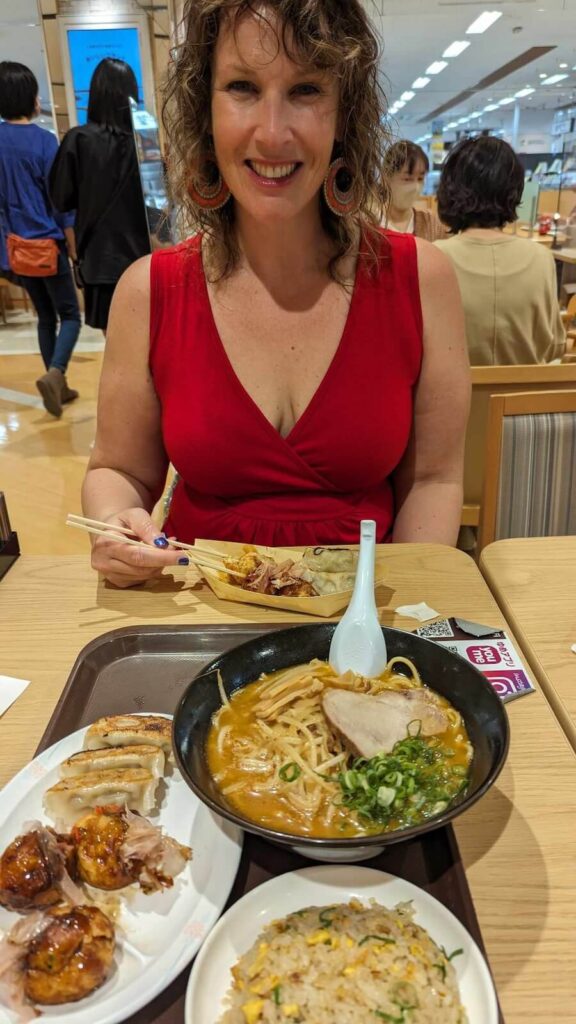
(88,46)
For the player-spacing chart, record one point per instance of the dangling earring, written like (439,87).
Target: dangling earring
(338,191)
(209,196)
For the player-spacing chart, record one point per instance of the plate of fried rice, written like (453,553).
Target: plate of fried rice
(340,945)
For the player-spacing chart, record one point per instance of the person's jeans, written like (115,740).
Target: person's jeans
(54,298)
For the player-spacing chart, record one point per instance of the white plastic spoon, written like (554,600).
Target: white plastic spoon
(358,642)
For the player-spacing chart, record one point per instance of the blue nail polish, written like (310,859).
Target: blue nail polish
(184,560)
(161,542)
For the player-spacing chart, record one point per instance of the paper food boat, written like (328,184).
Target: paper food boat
(323,606)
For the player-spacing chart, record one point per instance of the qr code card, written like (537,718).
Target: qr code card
(493,653)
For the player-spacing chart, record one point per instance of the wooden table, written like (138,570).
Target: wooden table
(517,843)
(534,581)
(565,255)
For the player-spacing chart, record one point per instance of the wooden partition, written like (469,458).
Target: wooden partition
(495,380)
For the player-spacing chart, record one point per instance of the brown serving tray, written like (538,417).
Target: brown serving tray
(147,669)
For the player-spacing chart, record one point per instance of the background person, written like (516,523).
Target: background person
(96,173)
(508,284)
(26,155)
(292,361)
(406,166)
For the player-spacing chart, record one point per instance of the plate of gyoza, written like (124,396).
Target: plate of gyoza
(111,874)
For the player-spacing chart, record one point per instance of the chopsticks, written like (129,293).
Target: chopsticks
(209,557)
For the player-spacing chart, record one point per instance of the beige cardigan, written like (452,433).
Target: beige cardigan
(508,288)
(427,225)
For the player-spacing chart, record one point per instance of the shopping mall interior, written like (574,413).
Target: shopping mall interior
(364,331)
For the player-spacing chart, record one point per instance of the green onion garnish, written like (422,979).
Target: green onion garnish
(289,772)
(377,938)
(413,782)
(323,919)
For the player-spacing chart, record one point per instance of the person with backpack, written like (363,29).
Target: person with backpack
(35,240)
(96,174)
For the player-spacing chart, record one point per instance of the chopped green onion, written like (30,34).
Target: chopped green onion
(385,796)
(405,996)
(442,969)
(457,952)
(324,920)
(276,991)
(404,787)
(377,938)
(289,772)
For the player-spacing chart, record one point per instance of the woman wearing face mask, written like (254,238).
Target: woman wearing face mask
(406,166)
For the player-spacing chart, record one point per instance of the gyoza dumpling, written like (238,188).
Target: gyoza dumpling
(127,730)
(328,582)
(339,560)
(108,758)
(134,788)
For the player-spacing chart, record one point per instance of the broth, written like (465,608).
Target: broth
(276,759)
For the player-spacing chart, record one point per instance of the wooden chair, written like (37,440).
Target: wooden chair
(569,314)
(530,481)
(493,380)
(4,286)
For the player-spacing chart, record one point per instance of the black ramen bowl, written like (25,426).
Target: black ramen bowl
(446,673)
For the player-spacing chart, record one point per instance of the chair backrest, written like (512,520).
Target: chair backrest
(494,380)
(530,483)
(570,310)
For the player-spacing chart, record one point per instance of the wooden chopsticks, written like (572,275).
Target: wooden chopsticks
(207,558)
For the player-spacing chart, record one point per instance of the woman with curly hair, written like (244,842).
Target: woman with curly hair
(291,360)
(508,284)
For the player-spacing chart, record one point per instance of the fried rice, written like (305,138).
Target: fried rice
(345,964)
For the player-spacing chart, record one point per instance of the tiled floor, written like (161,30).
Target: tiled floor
(42,459)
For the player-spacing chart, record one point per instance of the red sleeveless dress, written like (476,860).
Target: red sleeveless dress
(239,479)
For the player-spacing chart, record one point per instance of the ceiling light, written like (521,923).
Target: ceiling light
(437,67)
(508,99)
(491,106)
(486,19)
(452,124)
(398,105)
(462,120)
(523,92)
(475,114)
(543,74)
(419,83)
(455,49)
(406,96)
(562,65)
(553,79)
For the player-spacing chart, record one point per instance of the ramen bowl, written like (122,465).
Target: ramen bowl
(442,671)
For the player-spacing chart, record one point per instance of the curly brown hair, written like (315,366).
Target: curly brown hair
(333,35)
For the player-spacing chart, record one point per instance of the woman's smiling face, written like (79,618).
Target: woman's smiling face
(274,122)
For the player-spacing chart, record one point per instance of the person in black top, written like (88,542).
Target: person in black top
(96,173)
(26,155)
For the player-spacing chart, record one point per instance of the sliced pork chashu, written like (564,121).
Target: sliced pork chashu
(371,725)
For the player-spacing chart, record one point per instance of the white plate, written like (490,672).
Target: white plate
(241,924)
(157,935)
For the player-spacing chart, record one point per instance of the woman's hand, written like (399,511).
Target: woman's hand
(126,565)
